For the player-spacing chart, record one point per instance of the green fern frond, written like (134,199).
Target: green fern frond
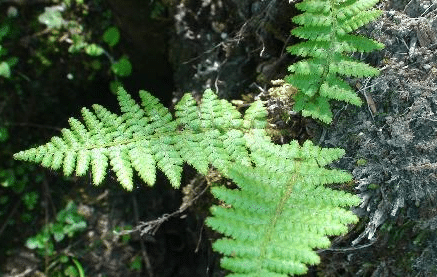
(326,24)
(143,139)
(281,211)
(309,67)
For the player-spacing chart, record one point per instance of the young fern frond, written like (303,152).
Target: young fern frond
(281,210)
(142,139)
(326,24)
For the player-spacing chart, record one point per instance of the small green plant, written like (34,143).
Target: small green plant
(68,223)
(16,179)
(65,266)
(111,36)
(136,264)
(158,8)
(73,32)
(17,176)
(361,162)
(30,199)
(6,63)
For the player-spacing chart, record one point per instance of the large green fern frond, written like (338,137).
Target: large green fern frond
(281,210)
(143,139)
(326,24)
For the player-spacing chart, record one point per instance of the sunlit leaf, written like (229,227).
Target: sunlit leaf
(52,17)
(122,68)
(5,70)
(94,50)
(111,36)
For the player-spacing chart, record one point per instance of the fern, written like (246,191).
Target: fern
(279,214)
(143,139)
(326,24)
(281,211)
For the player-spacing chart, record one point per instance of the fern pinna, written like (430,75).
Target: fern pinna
(281,210)
(325,26)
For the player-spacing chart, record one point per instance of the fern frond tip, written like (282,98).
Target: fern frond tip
(22,155)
